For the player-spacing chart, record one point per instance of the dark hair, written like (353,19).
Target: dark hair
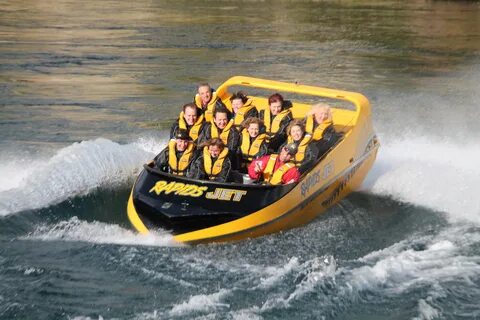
(214,142)
(221,109)
(182,134)
(190,105)
(239,95)
(247,122)
(276,97)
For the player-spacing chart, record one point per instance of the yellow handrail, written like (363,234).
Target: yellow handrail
(359,100)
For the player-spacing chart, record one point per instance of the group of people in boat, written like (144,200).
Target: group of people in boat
(216,142)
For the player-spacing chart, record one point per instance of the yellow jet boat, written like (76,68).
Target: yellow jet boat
(202,211)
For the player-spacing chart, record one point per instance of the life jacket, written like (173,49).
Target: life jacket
(242,112)
(249,150)
(276,177)
(208,111)
(194,130)
(213,169)
(301,148)
(272,126)
(317,133)
(179,166)
(224,134)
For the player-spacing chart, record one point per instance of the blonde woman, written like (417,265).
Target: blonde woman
(319,124)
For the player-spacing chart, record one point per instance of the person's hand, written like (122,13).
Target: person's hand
(258,167)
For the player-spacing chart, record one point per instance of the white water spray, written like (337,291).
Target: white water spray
(98,232)
(436,174)
(74,170)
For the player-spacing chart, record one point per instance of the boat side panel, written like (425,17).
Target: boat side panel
(303,211)
(182,205)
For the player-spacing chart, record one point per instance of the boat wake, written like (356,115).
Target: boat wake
(418,269)
(436,174)
(98,232)
(73,171)
(422,171)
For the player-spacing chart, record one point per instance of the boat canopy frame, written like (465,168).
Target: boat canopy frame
(362,106)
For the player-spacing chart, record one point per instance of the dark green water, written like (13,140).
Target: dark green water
(87,90)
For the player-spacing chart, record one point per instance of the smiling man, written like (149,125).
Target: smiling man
(177,157)
(207,100)
(276,168)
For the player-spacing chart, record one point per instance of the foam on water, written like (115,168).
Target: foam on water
(201,303)
(276,274)
(13,172)
(98,232)
(74,170)
(429,262)
(440,175)
(205,304)
(426,311)
(311,273)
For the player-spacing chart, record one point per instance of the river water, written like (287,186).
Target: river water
(89,88)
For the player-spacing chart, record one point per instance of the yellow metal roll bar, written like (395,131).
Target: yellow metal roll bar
(359,100)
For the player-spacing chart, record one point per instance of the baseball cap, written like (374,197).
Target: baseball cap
(291,148)
(182,134)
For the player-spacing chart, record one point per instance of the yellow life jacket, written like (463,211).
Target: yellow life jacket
(208,111)
(276,177)
(224,134)
(272,126)
(249,150)
(213,169)
(179,166)
(301,148)
(194,130)
(316,133)
(242,112)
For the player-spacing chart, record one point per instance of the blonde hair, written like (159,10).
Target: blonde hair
(294,123)
(247,122)
(321,106)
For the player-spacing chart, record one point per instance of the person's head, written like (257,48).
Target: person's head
(296,130)
(220,117)
(253,126)
(275,103)
(288,152)
(181,139)
(215,147)
(238,100)
(321,112)
(190,113)
(205,92)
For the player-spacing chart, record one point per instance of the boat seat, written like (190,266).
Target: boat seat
(235,177)
(287,104)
